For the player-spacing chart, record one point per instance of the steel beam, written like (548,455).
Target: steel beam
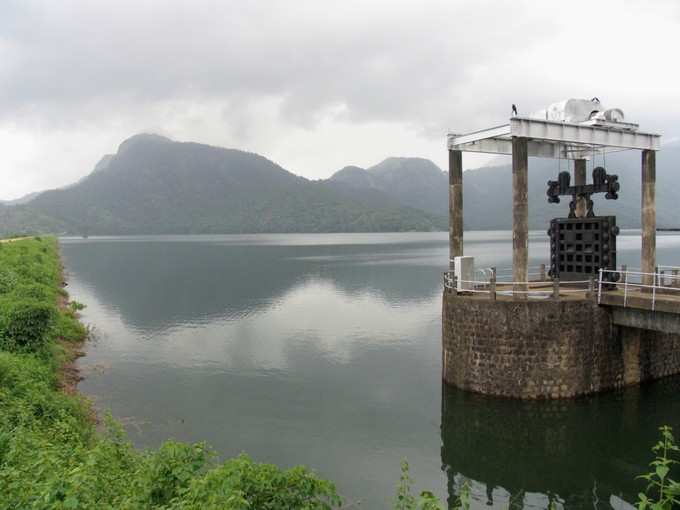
(581,134)
(535,148)
(483,134)
(550,139)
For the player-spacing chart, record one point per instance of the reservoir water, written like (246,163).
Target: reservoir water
(324,350)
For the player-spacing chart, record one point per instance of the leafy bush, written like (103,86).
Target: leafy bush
(662,492)
(8,280)
(25,324)
(242,483)
(37,291)
(75,306)
(405,499)
(68,327)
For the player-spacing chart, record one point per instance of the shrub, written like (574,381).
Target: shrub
(36,291)
(662,491)
(25,324)
(405,499)
(241,483)
(75,306)
(8,280)
(68,327)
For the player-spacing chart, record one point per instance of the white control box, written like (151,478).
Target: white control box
(464,271)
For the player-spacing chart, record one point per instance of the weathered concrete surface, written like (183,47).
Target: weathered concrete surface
(520,211)
(455,204)
(648,215)
(668,301)
(663,322)
(580,180)
(534,349)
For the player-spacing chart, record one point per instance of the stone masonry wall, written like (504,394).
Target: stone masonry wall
(546,348)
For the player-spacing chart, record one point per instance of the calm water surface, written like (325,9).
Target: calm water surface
(324,350)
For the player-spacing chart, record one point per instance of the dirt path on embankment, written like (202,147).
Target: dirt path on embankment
(12,239)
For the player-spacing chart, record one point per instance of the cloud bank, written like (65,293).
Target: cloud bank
(314,85)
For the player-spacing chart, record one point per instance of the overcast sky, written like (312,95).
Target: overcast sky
(313,85)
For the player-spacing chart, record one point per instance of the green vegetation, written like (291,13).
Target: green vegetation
(427,501)
(51,457)
(662,493)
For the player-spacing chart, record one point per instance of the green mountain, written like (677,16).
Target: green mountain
(487,195)
(153,185)
(488,198)
(415,182)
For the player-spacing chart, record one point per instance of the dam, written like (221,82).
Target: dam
(578,324)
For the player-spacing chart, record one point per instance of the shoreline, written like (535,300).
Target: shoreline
(64,456)
(68,372)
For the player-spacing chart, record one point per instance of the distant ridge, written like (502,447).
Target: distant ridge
(154,185)
(415,182)
(487,199)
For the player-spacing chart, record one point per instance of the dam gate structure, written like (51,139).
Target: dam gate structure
(580,324)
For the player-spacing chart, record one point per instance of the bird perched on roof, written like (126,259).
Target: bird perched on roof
(514,110)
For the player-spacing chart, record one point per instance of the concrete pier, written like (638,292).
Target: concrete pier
(548,348)
(544,339)
(455,205)
(648,215)
(520,212)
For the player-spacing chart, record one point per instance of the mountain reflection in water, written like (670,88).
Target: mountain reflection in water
(325,350)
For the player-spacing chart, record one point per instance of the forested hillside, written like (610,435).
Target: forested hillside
(153,185)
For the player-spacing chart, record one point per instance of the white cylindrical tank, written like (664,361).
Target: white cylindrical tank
(585,111)
(574,110)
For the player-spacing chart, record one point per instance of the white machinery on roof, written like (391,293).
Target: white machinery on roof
(589,112)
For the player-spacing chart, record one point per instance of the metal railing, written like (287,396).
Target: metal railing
(504,274)
(536,289)
(652,287)
(671,271)
(637,282)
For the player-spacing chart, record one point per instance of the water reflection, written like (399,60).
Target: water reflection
(189,282)
(578,453)
(325,350)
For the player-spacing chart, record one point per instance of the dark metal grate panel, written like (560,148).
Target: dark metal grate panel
(579,247)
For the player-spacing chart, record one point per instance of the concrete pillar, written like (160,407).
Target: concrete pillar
(630,340)
(648,215)
(580,180)
(520,213)
(455,205)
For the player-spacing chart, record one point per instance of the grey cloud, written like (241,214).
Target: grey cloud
(387,62)
(315,84)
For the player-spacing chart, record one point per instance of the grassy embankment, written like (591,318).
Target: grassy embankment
(51,456)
